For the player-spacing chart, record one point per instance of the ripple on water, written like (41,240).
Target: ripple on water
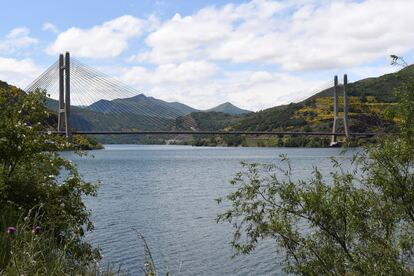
(167,194)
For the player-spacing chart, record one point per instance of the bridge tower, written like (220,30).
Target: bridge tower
(64,96)
(334,140)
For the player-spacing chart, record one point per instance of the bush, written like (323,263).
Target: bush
(30,250)
(356,222)
(81,142)
(34,177)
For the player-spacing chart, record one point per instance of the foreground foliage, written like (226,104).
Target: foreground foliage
(34,177)
(357,221)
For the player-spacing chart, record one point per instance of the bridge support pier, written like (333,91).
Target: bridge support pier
(346,103)
(334,138)
(61,111)
(64,96)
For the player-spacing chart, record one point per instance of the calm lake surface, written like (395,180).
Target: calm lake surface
(167,194)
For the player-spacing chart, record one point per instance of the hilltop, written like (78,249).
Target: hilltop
(228,108)
(367,98)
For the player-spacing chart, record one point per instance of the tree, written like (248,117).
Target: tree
(35,180)
(358,221)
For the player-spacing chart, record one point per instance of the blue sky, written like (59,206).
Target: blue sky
(255,54)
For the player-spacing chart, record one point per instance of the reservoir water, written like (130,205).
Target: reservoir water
(167,194)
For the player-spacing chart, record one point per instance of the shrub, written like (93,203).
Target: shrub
(353,222)
(34,176)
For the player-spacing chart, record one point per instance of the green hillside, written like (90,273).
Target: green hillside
(380,87)
(368,98)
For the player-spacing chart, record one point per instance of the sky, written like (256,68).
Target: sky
(255,54)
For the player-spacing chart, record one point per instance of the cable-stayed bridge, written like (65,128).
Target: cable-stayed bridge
(90,102)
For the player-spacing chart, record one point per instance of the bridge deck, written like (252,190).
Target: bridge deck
(160,132)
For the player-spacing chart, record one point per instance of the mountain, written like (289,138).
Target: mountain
(228,108)
(149,106)
(142,105)
(147,113)
(184,108)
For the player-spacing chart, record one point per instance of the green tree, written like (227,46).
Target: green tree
(357,221)
(34,179)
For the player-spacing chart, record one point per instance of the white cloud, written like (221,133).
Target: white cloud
(17,38)
(261,76)
(297,35)
(266,45)
(50,27)
(191,36)
(184,73)
(18,72)
(102,41)
(361,72)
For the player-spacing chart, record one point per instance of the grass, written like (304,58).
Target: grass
(29,252)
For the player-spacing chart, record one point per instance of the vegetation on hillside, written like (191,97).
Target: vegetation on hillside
(356,221)
(368,99)
(82,142)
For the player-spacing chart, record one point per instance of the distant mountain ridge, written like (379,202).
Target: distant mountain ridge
(228,108)
(142,105)
(149,106)
(140,113)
